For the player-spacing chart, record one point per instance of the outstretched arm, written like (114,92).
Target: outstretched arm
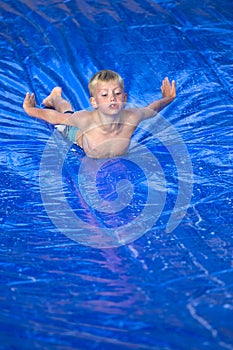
(169,93)
(78,119)
(49,115)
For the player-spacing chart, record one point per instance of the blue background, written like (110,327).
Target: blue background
(162,291)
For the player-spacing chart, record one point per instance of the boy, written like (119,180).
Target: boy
(106,131)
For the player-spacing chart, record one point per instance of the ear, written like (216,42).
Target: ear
(93,102)
(125,97)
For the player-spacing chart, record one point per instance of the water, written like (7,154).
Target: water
(109,285)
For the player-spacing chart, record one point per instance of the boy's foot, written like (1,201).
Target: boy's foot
(49,100)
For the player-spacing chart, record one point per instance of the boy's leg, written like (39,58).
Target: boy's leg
(56,101)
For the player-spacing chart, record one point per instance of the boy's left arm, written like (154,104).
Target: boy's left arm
(169,93)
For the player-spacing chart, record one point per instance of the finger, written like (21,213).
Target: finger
(32,98)
(27,96)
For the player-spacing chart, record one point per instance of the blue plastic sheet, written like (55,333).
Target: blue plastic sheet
(151,286)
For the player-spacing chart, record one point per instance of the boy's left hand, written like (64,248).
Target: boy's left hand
(168,90)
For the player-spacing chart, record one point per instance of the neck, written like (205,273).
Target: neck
(109,123)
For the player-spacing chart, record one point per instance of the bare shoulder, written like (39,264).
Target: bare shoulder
(81,119)
(81,114)
(131,116)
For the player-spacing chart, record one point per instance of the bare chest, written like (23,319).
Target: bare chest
(99,144)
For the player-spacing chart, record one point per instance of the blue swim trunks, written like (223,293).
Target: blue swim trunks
(68,131)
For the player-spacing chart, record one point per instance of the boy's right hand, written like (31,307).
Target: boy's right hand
(29,101)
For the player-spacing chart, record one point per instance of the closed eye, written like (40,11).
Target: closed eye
(118,93)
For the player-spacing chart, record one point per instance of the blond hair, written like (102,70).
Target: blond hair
(104,75)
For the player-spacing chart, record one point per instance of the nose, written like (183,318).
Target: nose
(112,97)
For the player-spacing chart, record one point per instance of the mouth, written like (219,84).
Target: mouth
(114,106)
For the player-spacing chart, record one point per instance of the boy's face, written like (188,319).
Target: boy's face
(108,97)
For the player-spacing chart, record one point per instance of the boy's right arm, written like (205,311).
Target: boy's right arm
(50,115)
